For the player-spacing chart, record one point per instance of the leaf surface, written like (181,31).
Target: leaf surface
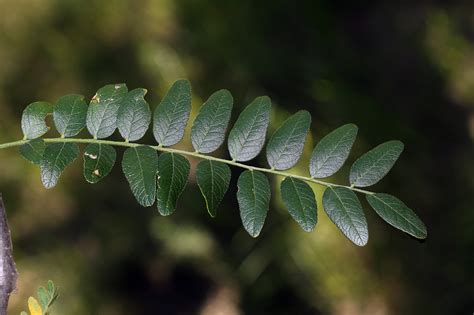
(173,172)
(253,196)
(286,145)
(213,179)
(134,115)
(375,164)
(344,209)
(332,151)
(33,122)
(33,151)
(397,214)
(34,306)
(140,165)
(247,137)
(43,297)
(300,201)
(99,159)
(208,131)
(69,115)
(171,116)
(103,110)
(56,157)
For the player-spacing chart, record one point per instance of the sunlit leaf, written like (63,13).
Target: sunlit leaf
(208,131)
(171,116)
(332,151)
(140,165)
(375,164)
(99,159)
(33,119)
(253,196)
(34,306)
(286,145)
(43,297)
(247,137)
(173,172)
(33,151)
(103,110)
(56,157)
(344,209)
(300,201)
(213,180)
(134,115)
(69,115)
(397,214)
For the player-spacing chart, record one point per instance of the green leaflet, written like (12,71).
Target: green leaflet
(397,214)
(247,137)
(43,297)
(33,151)
(286,145)
(375,164)
(213,179)
(134,115)
(56,157)
(332,151)
(70,115)
(208,131)
(33,119)
(171,116)
(253,195)
(344,209)
(140,165)
(173,172)
(102,113)
(99,159)
(300,201)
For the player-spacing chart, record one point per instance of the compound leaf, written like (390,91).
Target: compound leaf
(171,116)
(375,164)
(344,209)
(397,214)
(213,179)
(99,159)
(208,131)
(173,172)
(253,196)
(134,115)
(300,201)
(247,137)
(56,157)
(33,151)
(332,151)
(102,112)
(286,145)
(69,115)
(140,165)
(33,122)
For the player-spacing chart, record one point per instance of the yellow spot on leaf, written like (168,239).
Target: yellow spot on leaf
(96,173)
(35,308)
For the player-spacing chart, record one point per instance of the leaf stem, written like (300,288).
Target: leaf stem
(189,153)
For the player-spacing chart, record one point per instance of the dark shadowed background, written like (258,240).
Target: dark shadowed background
(397,71)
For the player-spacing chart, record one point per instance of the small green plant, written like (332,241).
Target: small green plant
(46,298)
(162,178)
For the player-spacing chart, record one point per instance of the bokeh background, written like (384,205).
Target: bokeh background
(399,71)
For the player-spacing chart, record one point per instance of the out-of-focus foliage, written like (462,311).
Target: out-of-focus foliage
(402,70)
(46,298)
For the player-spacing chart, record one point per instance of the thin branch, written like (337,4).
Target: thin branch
(188,153)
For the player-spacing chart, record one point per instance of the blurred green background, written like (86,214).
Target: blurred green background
(399,71)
